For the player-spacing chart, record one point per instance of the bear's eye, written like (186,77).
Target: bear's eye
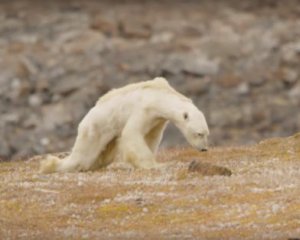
(185,116)
(200,134)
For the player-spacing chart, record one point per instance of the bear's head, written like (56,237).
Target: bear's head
(193,126)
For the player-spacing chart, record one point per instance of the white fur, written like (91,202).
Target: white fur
(129,122)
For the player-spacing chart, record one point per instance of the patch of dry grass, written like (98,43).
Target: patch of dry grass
(260,200)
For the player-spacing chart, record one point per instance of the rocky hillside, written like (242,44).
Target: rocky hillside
(238,60)
(225,193)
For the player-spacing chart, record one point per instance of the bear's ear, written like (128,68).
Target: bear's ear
(185,116)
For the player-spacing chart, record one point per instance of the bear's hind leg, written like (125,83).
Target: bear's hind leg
(109,154)
(87,148)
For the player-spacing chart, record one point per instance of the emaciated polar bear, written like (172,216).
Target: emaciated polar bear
(128,123)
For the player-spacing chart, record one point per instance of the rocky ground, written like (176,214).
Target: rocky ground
(234,193)
(238,60)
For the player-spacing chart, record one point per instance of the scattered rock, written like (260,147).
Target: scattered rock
(200,66)
(83,42)
(196,86)
(164,37)
(35,100)
(29,66)
(290,76)
(207,169)
(11,118)
(134,30)
(190,64)
(68,85)
(294,94)
(240,68)
(5,150)
(257,81)
(243,88)
(107,27)
(229,81)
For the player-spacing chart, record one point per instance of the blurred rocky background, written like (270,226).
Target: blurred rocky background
(238,60)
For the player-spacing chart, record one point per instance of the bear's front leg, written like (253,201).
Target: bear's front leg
(136,152)
(154,136)
(133,146)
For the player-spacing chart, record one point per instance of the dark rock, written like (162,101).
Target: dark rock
(290,76)
(69,85)
(5,150)
(257,81)
(207,169)
(229,81)
(134,30)
(196,86)
(107,27)
(294,94)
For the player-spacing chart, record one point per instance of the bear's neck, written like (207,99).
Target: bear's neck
(172,106)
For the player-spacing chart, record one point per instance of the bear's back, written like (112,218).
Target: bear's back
(157,83)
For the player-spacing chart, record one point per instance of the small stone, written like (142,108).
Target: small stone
(31,121)
(29,65)
(16,83)
(45,141)
(201,66)
(135,30)
(197,86)
(257,81)
(42,85)
(229,81)
(83,42)
(5,150)
(139,201)
(68,86)
(35,100)
(294,93)
(105,26)
(20,88)
(243,88)
(164,37)
(145,210)
(207,169)
(11,118)
(290,76)
(276,208)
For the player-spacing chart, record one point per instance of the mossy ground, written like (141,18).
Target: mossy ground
(260,200)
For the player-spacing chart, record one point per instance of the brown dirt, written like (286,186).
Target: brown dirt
(260,200)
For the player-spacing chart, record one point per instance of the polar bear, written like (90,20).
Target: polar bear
(128,123)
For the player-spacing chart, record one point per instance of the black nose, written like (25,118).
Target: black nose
(203,149)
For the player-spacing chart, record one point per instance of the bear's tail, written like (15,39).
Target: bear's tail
(49,164)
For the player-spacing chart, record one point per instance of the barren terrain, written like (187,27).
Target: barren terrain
(260,200)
